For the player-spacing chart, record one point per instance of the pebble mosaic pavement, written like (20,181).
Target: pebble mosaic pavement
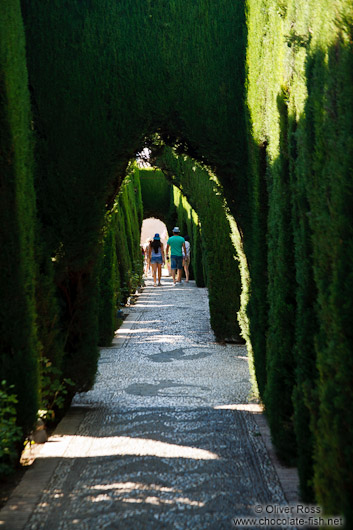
(167,440)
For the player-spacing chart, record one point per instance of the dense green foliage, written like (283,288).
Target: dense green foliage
(10,433)
(328,120)
(300,114)
(87,58)
(261,98)
(209,231)
(50,331)
(121,260)
(18,339)
(157,197)
(223,280)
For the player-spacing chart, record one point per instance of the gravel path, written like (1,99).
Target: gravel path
(167,438)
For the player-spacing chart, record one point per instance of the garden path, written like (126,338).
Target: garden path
(167,438)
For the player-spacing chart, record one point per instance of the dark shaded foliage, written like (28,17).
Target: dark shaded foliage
(18,337)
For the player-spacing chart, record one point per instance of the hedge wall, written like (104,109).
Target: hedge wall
(157,196)
(221,258)
(121,264)
(300,115)
(328,114)
(95,62)
(18,337)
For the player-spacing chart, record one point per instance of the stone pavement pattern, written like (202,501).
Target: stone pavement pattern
(167,437)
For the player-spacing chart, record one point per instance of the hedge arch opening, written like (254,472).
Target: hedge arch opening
(151,226)
(189,195)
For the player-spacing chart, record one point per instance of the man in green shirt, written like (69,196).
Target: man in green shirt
(176,244)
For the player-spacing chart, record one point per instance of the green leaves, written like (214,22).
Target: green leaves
(53,388)
(10,432)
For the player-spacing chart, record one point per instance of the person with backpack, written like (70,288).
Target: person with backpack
(156,258)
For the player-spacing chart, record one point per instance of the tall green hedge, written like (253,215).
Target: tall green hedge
(205,194)
(109,285)
(95,61)
(18,337)
(256,253)
(300,114)
(121,264)
(157,196)
(328,115)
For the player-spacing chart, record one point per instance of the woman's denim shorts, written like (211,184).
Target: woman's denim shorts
(156,259)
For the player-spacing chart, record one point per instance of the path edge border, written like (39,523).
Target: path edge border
(18,509)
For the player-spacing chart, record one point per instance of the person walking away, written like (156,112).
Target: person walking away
(177,246)
(186,258)
(156,257)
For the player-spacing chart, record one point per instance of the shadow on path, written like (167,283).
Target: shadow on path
(166,438)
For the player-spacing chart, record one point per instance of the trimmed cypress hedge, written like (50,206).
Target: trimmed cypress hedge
(109,284)
(157,196)
(18,337)
(88,59)
(300,112)
(121,264)
(328,115)
(220,256)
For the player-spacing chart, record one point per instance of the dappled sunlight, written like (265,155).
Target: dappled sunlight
(139,330)
(248,407)
(161,289)
(146,322)
(129,492)
(145,298)
(164,339)
(153,305)
(130,486)
(143,493)
(124,446)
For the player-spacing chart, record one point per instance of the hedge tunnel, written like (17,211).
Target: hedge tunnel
(199,209)
(248,110)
